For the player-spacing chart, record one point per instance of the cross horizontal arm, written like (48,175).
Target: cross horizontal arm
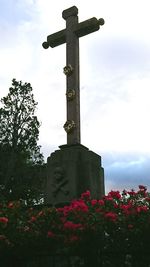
(88,26)
(81,29)
(55,39)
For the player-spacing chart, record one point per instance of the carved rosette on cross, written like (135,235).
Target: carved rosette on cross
(69,126)
(70,94)
(68,70)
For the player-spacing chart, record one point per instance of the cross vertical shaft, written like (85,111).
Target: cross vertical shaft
(72,81)
(70,36)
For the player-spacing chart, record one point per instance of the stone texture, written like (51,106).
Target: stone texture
(71,171)
(73,168)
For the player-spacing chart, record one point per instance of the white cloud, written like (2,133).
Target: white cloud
(115,69)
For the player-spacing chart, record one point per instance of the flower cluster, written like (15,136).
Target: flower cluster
(120,219)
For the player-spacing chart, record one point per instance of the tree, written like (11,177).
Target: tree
(19,132)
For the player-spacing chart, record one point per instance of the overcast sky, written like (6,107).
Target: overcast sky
(114,79)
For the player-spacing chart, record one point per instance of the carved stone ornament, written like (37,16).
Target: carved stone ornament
(59,183)
(68,70)
(70,94)
(69,126)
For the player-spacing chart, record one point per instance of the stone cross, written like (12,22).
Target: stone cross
(70,36)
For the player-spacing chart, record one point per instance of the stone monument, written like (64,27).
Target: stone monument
(73,168)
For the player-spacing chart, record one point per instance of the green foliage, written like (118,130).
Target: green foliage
(20,155)
(115,229)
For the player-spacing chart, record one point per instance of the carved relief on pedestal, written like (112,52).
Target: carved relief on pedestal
(60,183)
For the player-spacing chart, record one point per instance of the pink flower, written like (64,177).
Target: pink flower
(50,234)
(130,226)
(4,220)
(73,238)
(132,193)
(142,187)
(98,210)
(86,195)
(93,202)
(126,208)
(111,216)
(60,209)
(72,226)
(10,205)
(79,205)
(101,202)
(65,210)
(116,205)
(142,208)
(114,194)
(109,198)
(33,219)
(41,213)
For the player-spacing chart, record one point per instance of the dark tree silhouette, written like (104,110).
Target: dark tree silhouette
(20,159)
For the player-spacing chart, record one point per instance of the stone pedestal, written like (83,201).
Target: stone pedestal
(72,170)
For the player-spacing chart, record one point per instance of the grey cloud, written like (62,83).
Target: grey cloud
(126,170)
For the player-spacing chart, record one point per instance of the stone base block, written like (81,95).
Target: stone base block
(72,170)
